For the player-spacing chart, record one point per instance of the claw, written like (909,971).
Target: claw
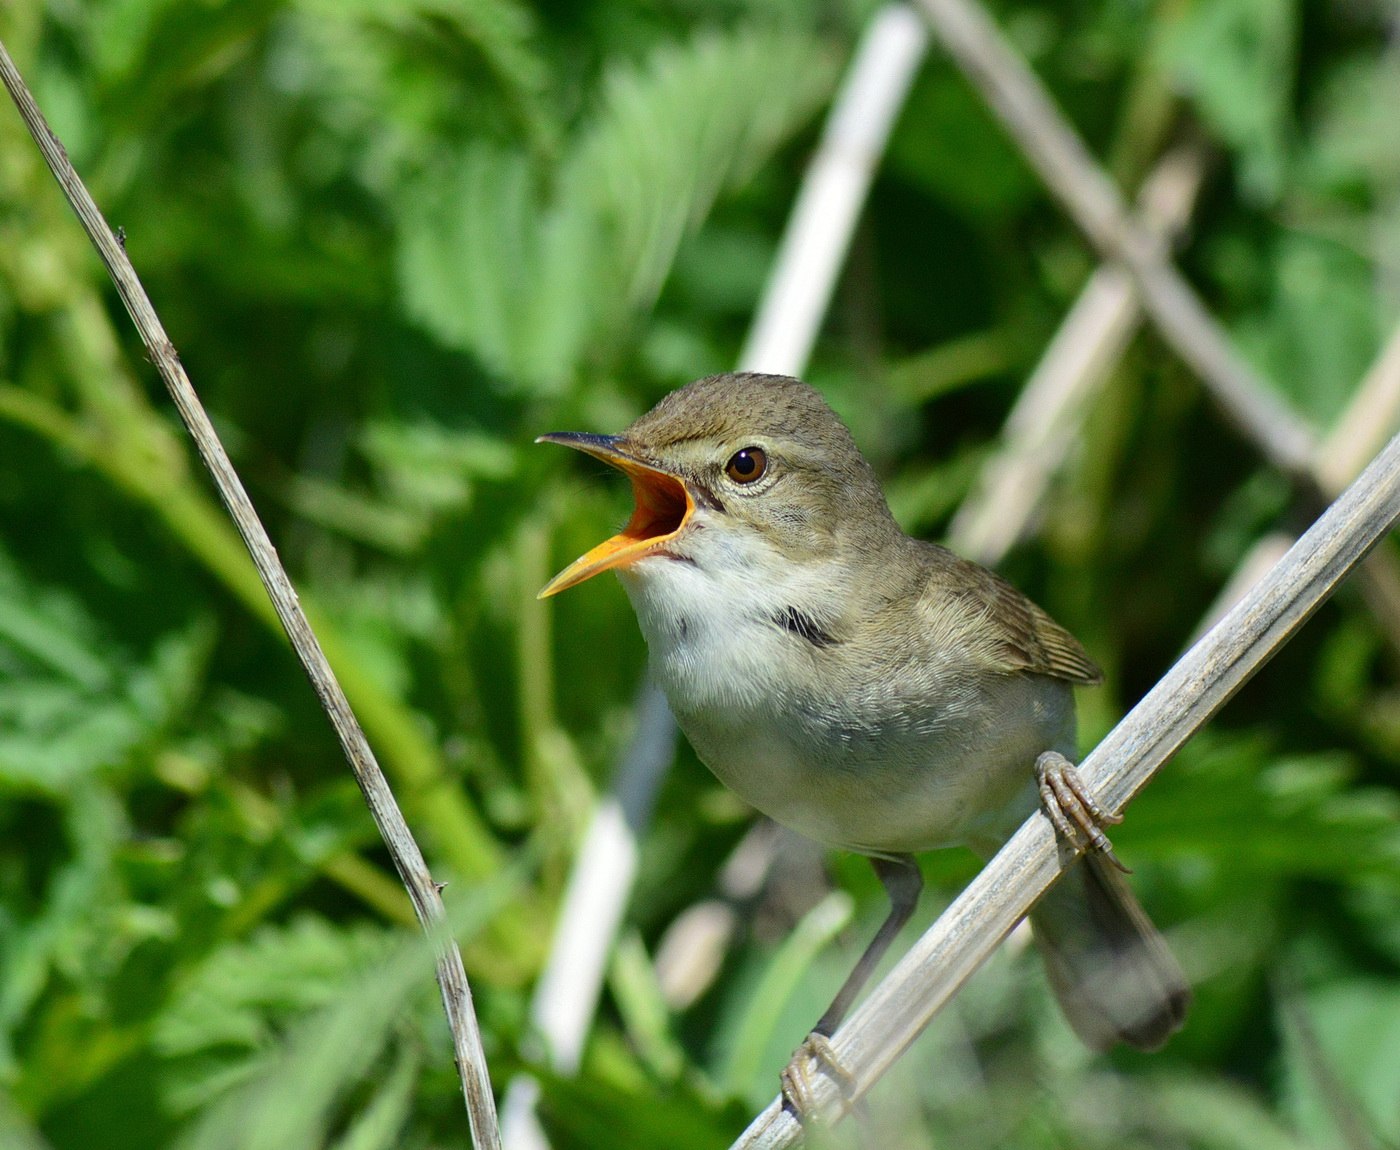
(1072,811)
(796,1077)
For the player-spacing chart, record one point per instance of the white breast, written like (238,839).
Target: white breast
(877,770)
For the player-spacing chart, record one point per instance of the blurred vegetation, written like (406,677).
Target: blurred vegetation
(396,240)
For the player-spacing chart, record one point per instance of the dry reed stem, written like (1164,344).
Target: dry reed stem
(1069,171)
(1043,426)
(408,859)
(1200,683)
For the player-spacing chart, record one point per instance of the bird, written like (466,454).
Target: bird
(873,691)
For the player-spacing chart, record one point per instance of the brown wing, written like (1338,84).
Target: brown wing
(1016,634)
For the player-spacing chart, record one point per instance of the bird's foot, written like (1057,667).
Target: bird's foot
(796,1077)
(1077,818)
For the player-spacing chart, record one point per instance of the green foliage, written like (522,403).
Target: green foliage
(394,242)
(492,263)
(1236,58)
(72,706)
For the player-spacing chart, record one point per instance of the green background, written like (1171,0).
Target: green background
(395,241)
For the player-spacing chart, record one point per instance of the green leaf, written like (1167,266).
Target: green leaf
(1235,58)
(78,932)
(1346,1063)
(1318,332)
(533,278)
(406,59)
(288,1091)
(72,702)
(1269,814)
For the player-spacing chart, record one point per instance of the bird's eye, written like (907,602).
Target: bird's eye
(747,465)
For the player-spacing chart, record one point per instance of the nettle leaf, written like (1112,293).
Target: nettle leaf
(392,79)
(72,702)
(230,1018)
(532,278)
(82,926)
(477,242)
(294,1092)
(699,118)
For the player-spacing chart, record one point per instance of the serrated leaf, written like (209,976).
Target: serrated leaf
(72,702)
(287,1097)
(531,278)
(246,992)
(79,935)
(403,58)
(700,117)
(269,1033)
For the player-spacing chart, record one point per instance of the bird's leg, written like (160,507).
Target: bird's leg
(1077,818)
(903,883)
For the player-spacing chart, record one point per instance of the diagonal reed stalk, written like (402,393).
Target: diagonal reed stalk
(1183,701)
(408,859)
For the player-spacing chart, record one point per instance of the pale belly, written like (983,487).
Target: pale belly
(896,761)
(932,781)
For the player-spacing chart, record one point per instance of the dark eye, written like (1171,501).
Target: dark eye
(747,465)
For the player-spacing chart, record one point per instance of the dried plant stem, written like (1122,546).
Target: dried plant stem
(1048,141)
(1052,147)
(408,859)
(1043,426)
(1201,682)
(1362,427)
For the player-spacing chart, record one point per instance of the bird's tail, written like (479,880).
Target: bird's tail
(1109,966)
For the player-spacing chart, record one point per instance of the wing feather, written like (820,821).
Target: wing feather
(1014,634)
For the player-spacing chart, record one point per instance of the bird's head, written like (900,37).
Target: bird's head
(741,471)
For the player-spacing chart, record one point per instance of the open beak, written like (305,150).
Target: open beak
(662,508)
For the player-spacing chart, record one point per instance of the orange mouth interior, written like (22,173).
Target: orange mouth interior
(661,508)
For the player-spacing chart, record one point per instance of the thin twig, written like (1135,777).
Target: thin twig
(1363,426)
(1201,682)
(1055,151)
(1370,416)
(1043,425)
(408,859)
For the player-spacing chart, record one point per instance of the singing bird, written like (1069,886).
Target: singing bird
(873,691)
